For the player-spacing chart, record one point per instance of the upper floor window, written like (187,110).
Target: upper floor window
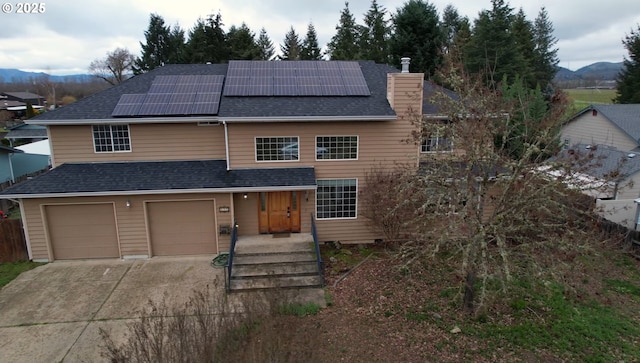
(277,148)
(336,147)
(111,138)
(436,142)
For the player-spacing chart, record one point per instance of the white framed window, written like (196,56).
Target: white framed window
(336,147)
(436,143)
(281,148)
(111,138)
(337,199)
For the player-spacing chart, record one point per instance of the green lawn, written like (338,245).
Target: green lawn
(11,270)
(584,97)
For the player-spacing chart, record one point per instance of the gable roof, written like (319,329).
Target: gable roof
(158,177)
(624,116)
(24,131)
(99,107)
(23,95)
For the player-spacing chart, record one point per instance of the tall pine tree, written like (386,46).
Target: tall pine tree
(628,82)
(156,50)
(374,42)
(266,51)
(177,46)
(291,48)
(523,34)
(492,49)
(418,35)
(545,65)
(242,44)
(207,41)
(456,29)
(344,44)
(310,49)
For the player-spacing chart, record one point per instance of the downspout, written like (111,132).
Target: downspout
(13,177)
(226,143)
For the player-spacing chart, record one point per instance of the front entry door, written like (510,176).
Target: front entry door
(279,212)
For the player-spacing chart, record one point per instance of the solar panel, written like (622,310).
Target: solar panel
(295,78)
(154,104)
(128,105)
(180,104)
(206,104)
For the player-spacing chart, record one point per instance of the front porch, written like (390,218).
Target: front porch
(268,261)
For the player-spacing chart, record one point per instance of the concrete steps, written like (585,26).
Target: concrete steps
(274,265)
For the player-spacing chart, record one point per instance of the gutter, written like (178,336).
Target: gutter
(162,192)
(309,118)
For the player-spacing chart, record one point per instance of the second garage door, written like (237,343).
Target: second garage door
(182,227)
(82,231)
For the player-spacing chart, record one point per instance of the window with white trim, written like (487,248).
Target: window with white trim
(336,198)
(336,147)
(111,138)
(436,142)
(285,148)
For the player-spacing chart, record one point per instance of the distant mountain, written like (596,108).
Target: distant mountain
(9,75)
(601,71)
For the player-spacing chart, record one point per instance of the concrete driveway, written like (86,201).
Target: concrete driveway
(54,312)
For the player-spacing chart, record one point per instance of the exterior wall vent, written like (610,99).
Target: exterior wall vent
(208,123)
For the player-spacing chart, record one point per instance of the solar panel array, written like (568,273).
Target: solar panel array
(174,96)
(295,78)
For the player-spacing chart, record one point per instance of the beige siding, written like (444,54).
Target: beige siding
(148,142)
(589,129)
(132,229)
(619,211)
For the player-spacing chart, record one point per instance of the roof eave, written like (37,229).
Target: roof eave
(124,120)
(161,192)
(309,118)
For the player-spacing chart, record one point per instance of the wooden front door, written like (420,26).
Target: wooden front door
(279,212)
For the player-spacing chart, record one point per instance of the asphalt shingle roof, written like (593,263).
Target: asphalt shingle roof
(24,131)
(601,161)
(101,104)
(158,176)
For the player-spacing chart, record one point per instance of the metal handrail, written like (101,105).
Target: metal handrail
(232,247)
(314,233)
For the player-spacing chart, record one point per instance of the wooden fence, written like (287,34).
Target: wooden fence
(630,237)
(13,247)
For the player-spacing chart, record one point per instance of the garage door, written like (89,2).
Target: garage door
(82,231)
(182,227)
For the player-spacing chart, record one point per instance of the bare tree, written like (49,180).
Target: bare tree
(115,68)
(492,203)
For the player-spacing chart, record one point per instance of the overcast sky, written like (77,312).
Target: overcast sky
(69,34)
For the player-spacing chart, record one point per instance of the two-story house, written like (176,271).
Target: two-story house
(610,135)
(166,162)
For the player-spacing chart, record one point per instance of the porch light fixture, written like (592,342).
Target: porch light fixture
(128,203)
(245,196)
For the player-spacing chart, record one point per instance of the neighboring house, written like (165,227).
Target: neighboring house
(612,134)
(612,125)
(6,163)
(23,97)
(166,162)
(24,133)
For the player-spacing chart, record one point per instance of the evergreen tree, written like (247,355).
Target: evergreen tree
(266,51)
(523,34)
(157,48)
(207,41)
(492,48)
(310,48)
(374,38)
(456,29)
(291,48)
(30,112)
(545,65)
(344,44)
(628,82)
(176,46)
(417,35)
(242,44)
